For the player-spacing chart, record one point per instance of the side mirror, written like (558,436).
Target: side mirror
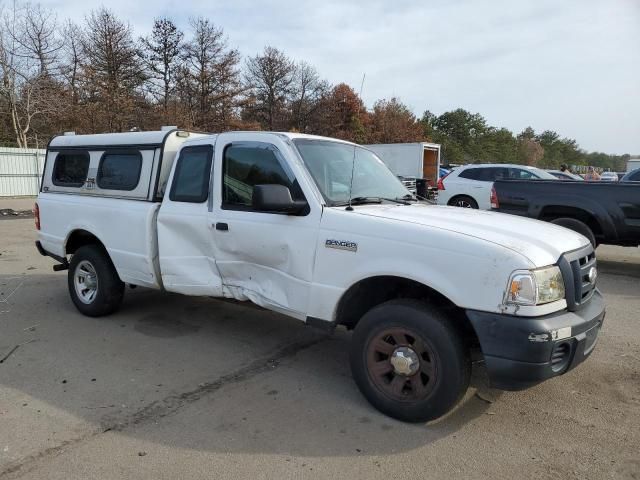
(276,199)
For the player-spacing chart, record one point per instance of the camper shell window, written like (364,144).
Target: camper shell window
(119,170)
(70,169)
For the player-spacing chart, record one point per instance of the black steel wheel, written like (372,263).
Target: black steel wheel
(409,360)
(401,364)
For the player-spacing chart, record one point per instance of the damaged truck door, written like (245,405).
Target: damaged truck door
(262,254)
(187,259)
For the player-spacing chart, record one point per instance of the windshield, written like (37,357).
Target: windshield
(331,163)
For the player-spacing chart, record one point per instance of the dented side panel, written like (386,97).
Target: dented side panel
(186,253)
(263,257)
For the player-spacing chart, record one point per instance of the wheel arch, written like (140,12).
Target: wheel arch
(552,212)
(369,292)
(80,237)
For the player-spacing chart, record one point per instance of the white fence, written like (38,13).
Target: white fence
(20,171)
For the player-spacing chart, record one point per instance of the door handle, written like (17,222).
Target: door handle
(222,226)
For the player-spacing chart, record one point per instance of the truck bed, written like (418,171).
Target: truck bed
(611,210)
(126,227)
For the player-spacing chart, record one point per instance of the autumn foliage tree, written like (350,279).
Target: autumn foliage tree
(392,122)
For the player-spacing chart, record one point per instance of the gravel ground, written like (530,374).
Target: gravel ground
(177,387)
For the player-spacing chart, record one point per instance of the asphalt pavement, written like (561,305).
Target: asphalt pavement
(179,387)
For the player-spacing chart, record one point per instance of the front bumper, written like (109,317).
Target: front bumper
(520,352)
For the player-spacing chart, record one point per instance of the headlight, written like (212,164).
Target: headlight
(535,287)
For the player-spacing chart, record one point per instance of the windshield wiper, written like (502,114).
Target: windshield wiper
(409,197)
(366,200)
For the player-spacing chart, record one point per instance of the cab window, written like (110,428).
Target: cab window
(191,177)
(247,165)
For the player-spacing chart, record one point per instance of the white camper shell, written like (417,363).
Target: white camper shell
(131,165)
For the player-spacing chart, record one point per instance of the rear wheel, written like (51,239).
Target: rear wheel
(578,227)
(94,285)
(463,201)
(409,361)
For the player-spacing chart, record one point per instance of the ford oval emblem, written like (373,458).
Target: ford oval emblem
(593,275)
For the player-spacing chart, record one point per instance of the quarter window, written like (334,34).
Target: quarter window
(485,174)
(191,178)
(70,169)
(245,166)
(495,173)
(471,173)
(119,170)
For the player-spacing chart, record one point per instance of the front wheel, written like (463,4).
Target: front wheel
(94,285)
(409,361)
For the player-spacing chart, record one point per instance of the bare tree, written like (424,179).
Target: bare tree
(36,36)
(210,80)
(270,77)
(72,58)
(111,72)
(161,52)
(26,52)
(308,91)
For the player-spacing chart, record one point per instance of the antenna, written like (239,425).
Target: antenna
(353,162)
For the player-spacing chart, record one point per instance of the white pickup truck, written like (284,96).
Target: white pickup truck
(320,230)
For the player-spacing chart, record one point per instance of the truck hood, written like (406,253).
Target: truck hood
(540,242)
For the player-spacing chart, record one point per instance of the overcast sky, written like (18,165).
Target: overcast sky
(572,66)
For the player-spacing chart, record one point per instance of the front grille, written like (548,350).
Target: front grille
(583,268)
(577,270)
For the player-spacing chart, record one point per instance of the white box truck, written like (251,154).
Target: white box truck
(411,161)
(632,164)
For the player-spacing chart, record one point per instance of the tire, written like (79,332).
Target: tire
(578,227)
(395,329)
(463,201)
(90,266)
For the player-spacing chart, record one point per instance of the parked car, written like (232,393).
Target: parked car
(608,177)
(291,223)
(470,186)
(566,175)
(632,176)
(604,212)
